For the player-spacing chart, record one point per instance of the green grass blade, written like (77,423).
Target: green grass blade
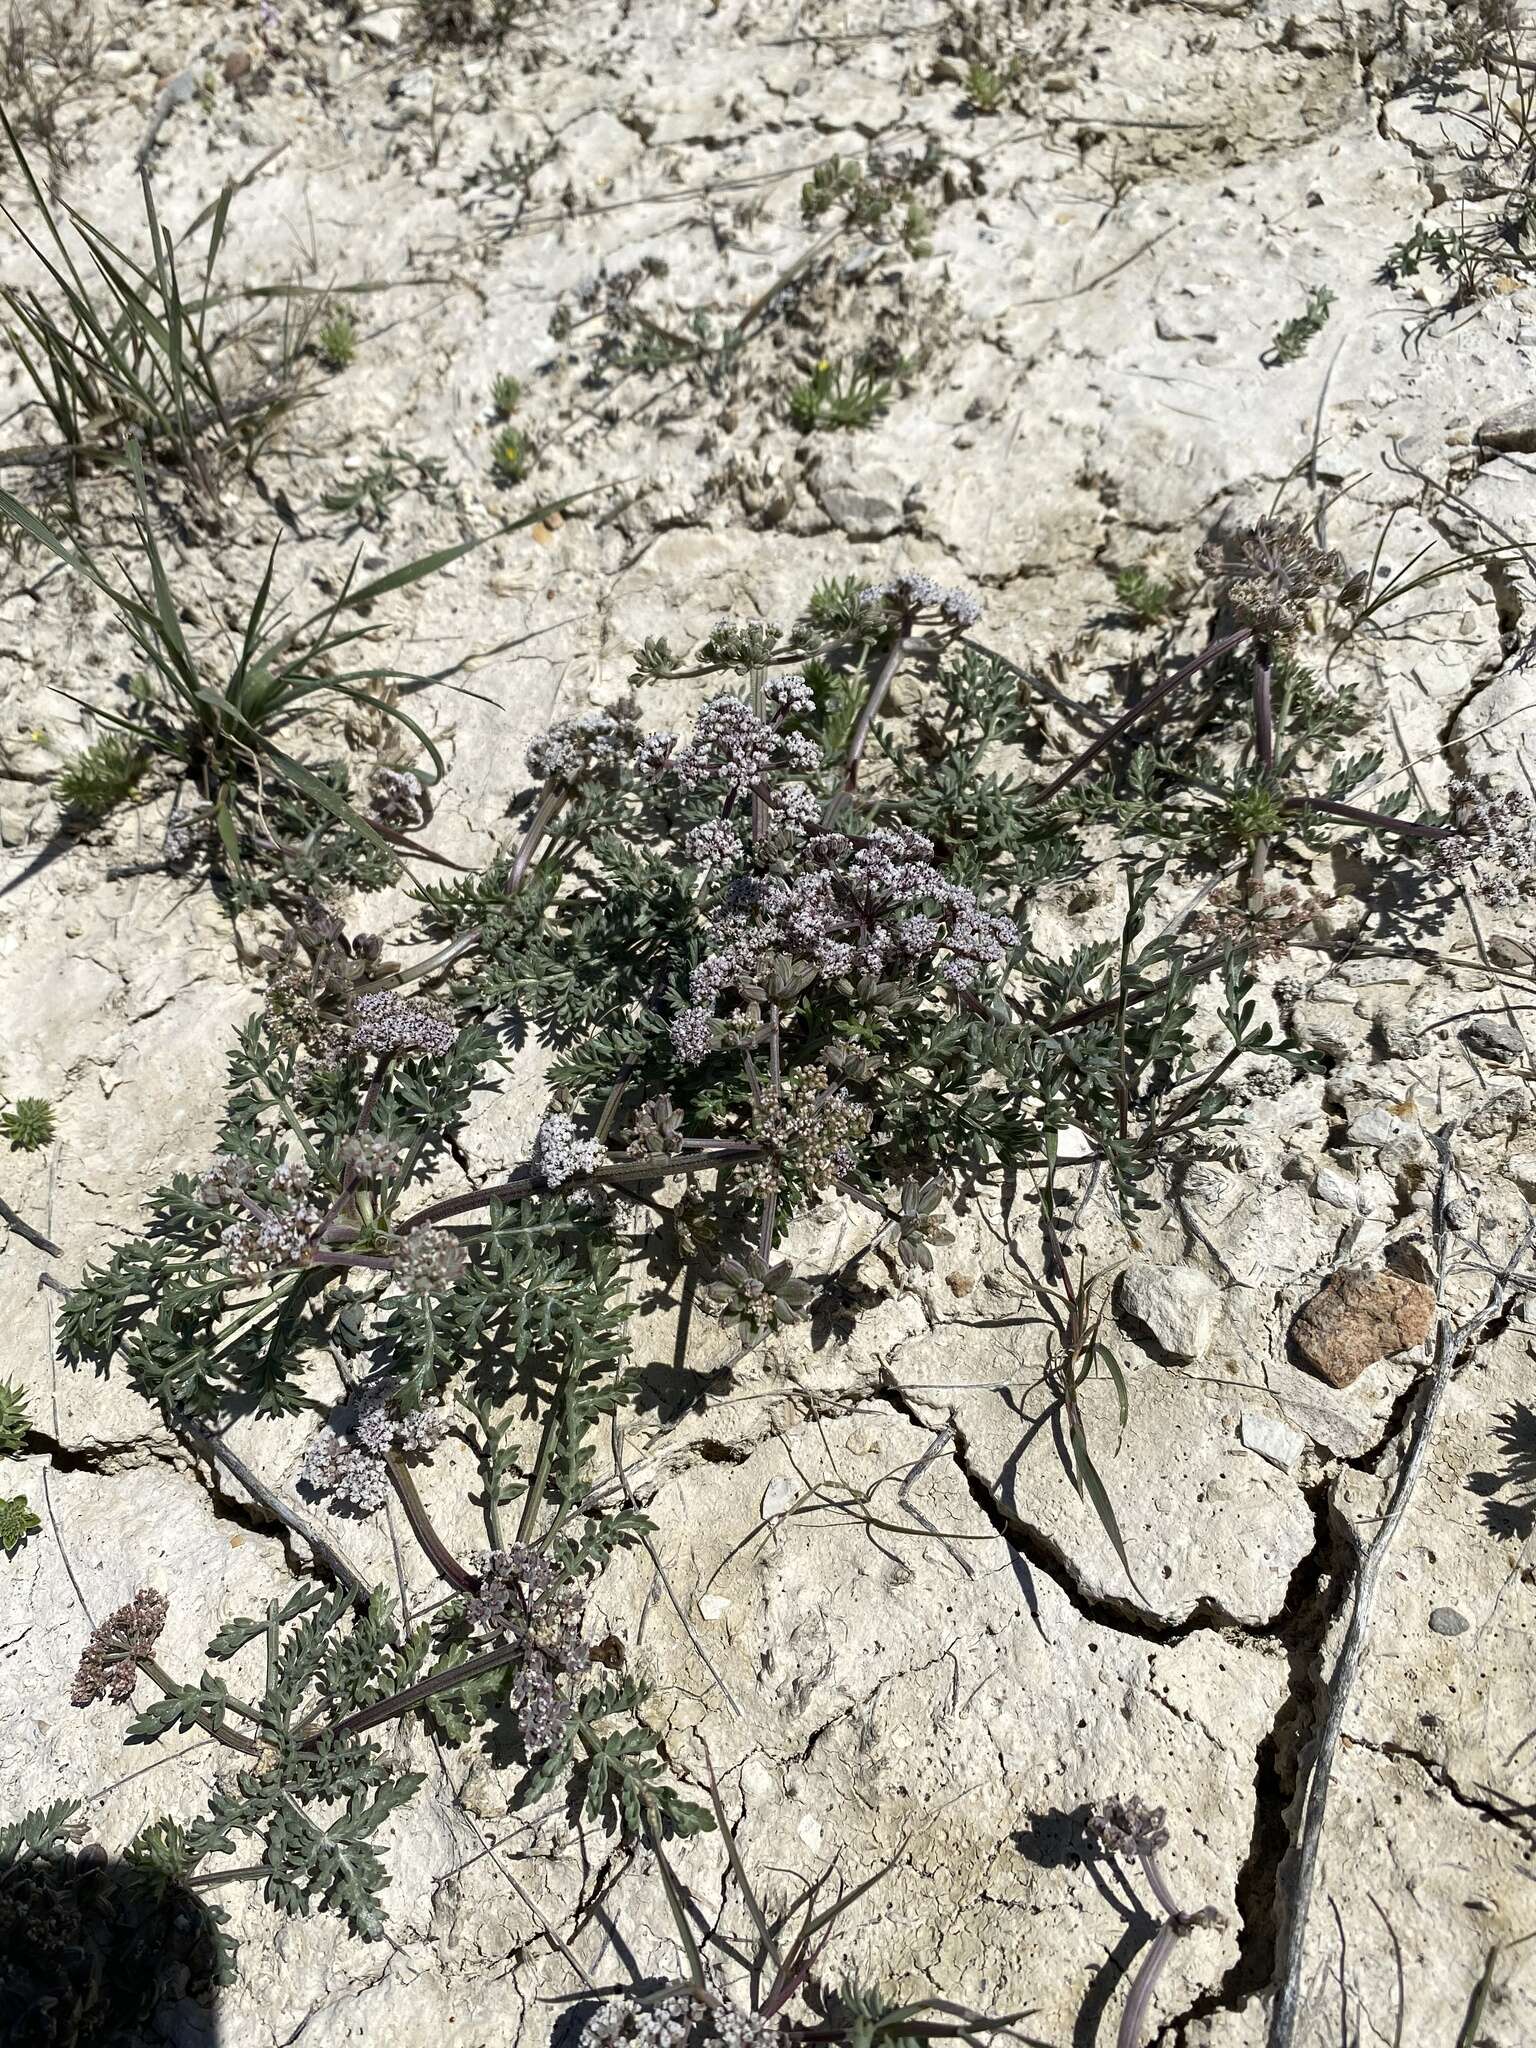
(1093,1485)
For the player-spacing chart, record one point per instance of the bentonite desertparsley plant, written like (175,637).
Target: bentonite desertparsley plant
(762,983)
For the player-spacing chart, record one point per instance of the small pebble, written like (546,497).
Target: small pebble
(1445,1621)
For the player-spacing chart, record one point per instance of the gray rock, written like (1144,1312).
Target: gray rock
(1375,1127)
(385,27)
(1337,1190)
(864,499)
(1513,430)
(1270,1438)
(1445,1621)
(1496,1036)
(1176,1304)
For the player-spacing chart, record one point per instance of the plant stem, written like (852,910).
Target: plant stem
(33,1237)
(871,707)
(324,1550)
(1147,1974)
(443,1559)
(1264,749)
(550,805)
(617,1173)
(1264,706)
(412,1696)
(533,1500)
(204,1881)
(1451,1346)
(1378,821)
(1137,712)
(435,963)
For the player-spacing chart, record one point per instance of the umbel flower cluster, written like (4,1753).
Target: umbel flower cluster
(910,598)
(385,1021)
(109,1665)
(677,2020)
(1492,843)
(559,1154)
(812,1128)
(281,1224)
(354,1466)
(317,998)
(834,906)
(1270,573)
(395,800)
(594,747)
(521,1594)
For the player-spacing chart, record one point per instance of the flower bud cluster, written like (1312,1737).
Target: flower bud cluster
(1122,1827)
(735,749)
(109,1666)
(430,1261)
(369,1156)
(655,1129)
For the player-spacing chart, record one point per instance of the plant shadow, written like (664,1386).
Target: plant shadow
(1514,1434)
(103,1954)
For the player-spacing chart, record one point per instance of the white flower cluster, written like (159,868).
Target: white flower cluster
(352,1467)
(676,2021)
(386,1022)
(871,905)
(279,1228)
(1493,843)
(716,844)
(574,749)
(626,2023)
(559,1155)
(910,595)
(791,695)
(430,1261)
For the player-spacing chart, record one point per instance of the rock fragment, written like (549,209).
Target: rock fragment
(1358,1317)
(864,499)
(1176,1304)
(1448,1621)
(1270,1438)
(1513,430)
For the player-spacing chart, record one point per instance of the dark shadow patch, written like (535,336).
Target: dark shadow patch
(97,1954)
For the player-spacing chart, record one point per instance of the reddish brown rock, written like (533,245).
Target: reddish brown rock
(1358,1317)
